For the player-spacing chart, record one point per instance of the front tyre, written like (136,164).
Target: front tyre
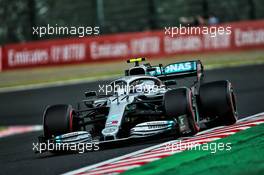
(57,120)
(178,104)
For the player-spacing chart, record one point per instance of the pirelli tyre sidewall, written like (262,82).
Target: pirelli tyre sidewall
(57,120)
(178,102)
(217,100)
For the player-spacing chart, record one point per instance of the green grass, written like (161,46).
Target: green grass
(231,63)
(50,80)
(245,157)
(2,128)
(96,71)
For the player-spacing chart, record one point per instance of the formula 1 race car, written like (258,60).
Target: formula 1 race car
(146,103)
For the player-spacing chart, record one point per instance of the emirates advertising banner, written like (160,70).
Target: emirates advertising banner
(151,44)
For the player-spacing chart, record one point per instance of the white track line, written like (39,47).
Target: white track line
(114,169)
(134,154)
(114,159)
(13,130)
(127,163)
(252,116)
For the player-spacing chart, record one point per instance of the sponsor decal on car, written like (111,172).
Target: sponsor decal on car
(73,137)
(153,126)
(180,67)
(174,68)
(110,130)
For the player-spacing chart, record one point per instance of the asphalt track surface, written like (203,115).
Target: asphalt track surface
(26,107)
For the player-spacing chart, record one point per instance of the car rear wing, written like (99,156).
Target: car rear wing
(178,70)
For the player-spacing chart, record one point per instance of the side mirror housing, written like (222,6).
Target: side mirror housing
(90,94)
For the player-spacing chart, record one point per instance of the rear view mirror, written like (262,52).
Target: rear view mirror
(90,94)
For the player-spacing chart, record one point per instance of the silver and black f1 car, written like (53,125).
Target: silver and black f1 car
(146,103)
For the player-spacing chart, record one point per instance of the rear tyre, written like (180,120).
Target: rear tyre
(57,120)
(217,102)
(178,104)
